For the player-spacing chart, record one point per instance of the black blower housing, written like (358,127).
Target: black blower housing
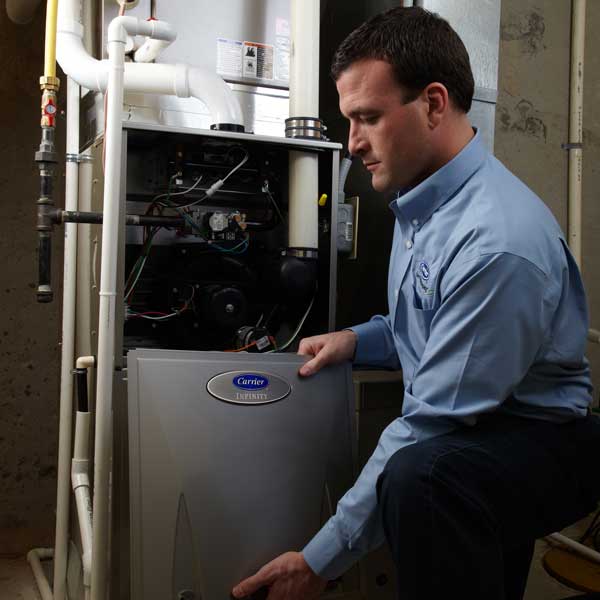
(298,278)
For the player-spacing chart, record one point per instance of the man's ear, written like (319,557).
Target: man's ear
(436,97)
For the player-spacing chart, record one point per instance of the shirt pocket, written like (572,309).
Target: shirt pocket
(424,309)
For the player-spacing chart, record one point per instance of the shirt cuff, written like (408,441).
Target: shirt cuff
(327,555)
(372,341)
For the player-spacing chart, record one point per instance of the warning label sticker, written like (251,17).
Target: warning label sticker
(229,57)
(258,60)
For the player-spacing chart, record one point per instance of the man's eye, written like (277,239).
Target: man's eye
(370,119)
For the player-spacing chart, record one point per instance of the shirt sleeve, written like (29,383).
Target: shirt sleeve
(492,319)
(375,343)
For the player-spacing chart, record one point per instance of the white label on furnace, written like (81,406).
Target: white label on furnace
(282,55)
(282,27)
(229,57)
(258,60)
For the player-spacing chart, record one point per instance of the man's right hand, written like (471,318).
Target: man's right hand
(327,349)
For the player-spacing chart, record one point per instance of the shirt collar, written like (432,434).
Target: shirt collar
(419,203)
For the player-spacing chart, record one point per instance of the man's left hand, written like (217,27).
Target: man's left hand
(288,577)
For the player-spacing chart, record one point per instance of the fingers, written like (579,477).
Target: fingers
(314,365)
(309,346)
(252,584)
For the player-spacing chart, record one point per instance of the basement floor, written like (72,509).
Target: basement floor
(17,583)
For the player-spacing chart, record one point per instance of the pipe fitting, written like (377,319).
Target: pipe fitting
(79,473)
(34,558)
(85,362)
(182,84)
(156,30)
(180,80)
(49,83)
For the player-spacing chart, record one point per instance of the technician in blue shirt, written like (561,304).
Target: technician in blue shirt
(488,321)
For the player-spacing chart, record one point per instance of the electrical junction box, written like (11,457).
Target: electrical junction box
(234,459)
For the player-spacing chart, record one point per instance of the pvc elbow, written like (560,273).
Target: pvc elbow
(216,94)
(77,63)
(157,30)
(85,362)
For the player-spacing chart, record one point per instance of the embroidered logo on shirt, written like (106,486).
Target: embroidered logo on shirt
(422,274)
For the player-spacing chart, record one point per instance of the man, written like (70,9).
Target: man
(488,322)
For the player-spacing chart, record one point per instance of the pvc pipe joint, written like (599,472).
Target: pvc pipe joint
(157,30)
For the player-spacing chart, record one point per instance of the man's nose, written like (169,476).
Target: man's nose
(357,143)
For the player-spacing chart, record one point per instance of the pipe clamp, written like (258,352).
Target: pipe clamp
(311,128)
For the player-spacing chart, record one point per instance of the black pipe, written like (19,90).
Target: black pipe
(46,160)
(82,389)
(44,290)
(70,216)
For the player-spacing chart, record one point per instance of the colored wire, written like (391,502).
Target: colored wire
(254,343)
(210,190)
(137,268)
(297,331)
(241,164)
(270,196)
(168,195)
(245,243)
(162,316)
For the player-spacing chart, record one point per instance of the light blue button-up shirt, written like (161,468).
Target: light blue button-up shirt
(487,313)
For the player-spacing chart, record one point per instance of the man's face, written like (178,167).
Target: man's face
(390,136)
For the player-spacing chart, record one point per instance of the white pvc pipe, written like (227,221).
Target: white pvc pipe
(150,50)
(178,80)
(579,548)
(303,206)
(21,12)
(81,488)
(304,102)
(83,327)
(576,127)
(304,65)
(117,37)
(63,490)
(106,322)
(34,558)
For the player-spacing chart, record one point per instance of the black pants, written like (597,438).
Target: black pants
(461,511)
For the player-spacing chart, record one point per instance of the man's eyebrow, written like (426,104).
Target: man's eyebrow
(359,111)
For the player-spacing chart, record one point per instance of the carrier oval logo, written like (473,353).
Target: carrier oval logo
(250,381)
(242,387)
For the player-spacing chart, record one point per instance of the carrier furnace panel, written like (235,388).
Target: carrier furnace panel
(234,459)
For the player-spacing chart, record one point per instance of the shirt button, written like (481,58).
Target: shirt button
(409,244)
(415,222)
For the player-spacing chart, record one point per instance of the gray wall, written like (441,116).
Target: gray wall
(29,332)
(531,125)
(532,120)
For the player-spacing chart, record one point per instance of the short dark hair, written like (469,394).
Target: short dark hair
(420,46)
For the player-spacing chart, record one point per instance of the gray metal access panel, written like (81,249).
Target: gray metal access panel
(234,459)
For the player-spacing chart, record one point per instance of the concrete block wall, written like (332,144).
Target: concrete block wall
(532,121)
(29,332)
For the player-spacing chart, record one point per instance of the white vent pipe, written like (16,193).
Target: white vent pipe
(63,489)
(576,127)
(304,102)
(117,38)
(81,488)
(34,558)
(179,80)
